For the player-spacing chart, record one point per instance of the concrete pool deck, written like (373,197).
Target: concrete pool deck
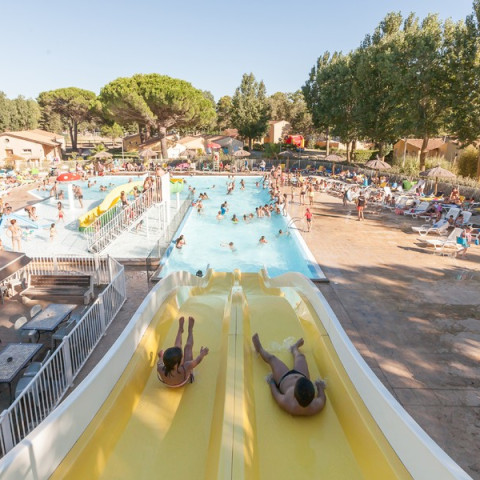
(413,316)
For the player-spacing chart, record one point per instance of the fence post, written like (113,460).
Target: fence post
(55,265)
(6,431)
(97,268)
(101,309)
(67,360)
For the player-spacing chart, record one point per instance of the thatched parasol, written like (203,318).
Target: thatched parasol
(241,153)
(333,157)
(102,155)
(437,172)
(148,153)
(377,164)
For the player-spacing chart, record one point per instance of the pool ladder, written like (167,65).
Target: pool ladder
(292,221)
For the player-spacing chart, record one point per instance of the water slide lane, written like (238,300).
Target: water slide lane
(227,425)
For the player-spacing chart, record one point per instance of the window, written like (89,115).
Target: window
(27,150)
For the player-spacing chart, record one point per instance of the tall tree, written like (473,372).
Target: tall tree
(422,79)
(72,104)
(463,70)
(224,113)
(156,101)
(376,78)
(250,108)
(317,93)
(25,114)
(5,112)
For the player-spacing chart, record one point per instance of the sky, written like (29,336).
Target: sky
(211,44)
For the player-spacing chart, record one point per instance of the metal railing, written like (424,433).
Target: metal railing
(158,251)
(48,387)
(117,219)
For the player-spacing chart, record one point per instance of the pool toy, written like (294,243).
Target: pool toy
(134,427)
(110,200)
(176,185)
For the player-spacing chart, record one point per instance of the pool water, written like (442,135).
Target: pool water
(94,192)
(207,238)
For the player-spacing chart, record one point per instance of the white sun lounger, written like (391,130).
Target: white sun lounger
(447,245)
(440,228)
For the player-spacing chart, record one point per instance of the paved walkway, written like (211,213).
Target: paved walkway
(414,317)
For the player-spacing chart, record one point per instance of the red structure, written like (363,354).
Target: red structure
(296,140)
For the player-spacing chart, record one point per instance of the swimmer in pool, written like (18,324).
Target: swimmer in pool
(180,242)
(292,389)
(230,245)
(234,219)
(262,240)
(219,216)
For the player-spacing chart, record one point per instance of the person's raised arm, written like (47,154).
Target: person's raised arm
(193,363)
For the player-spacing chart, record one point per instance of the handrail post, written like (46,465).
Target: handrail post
(6,431)
(101,309)
(67,360)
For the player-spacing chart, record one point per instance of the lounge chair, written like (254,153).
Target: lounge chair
(447,245)
(440,228)
(418,210)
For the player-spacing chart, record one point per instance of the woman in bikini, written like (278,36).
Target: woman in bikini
(175,368)
(292,389)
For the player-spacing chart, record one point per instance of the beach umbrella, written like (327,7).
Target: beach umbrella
(241,153)
(377,164)
(437,172)
(68,178)
(102,155)
(333,157)
(148,153)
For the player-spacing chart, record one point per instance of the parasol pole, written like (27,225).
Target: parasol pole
(70,196)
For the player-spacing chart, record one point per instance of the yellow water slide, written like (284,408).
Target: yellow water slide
(226,424)
(108,202)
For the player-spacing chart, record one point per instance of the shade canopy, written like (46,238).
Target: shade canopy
(68,177)
(10,262)
(148,153)
(333,157)
(378,165)
(436,172)
(241,153)
(102,155)
(213,145)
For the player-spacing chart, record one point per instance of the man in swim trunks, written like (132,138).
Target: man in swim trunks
(292,389)
(174,368)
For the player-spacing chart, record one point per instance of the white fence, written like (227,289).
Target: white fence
(56,376)
(117,219)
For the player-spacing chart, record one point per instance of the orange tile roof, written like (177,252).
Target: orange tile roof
(432,144)
(42,137)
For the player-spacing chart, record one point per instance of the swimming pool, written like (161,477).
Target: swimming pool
(207,238)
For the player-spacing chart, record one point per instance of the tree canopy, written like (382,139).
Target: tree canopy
(73,106)
(18,114)
(156,101)
(250,108)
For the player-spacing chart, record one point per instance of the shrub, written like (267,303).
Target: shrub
(467,162)
(362,156)
(258,146)
(271,150)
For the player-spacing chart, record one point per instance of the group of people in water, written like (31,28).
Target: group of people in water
(292,389)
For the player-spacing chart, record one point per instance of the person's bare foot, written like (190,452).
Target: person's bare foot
(191,322)
(256,343)
(181,322)
(297,345)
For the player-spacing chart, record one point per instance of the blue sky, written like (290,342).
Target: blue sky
(47,45)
